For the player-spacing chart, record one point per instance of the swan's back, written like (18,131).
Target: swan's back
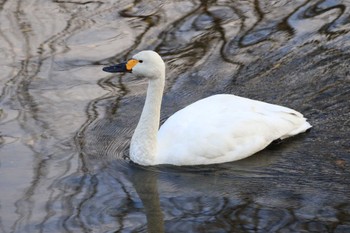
(224,128)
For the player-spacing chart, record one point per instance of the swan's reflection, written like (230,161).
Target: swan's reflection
(146,185)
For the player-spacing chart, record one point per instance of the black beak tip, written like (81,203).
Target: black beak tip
(120,68)
(110,69)
(106,69)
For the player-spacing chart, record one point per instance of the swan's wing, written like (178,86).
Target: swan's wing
(224,128)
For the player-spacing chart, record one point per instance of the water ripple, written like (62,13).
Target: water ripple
(66,126)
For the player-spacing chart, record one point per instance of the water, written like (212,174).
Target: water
(65,125)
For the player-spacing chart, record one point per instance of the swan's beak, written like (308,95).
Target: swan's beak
(122,67)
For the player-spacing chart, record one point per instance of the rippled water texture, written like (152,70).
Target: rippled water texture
(65,125)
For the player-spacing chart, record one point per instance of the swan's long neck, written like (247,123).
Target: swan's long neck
(143,147)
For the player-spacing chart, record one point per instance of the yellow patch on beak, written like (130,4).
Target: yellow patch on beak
(131,63)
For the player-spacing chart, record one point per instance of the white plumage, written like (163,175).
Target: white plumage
(217,129)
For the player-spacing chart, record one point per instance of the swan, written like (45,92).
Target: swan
(217,129)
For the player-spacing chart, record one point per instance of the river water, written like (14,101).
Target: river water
(65,125)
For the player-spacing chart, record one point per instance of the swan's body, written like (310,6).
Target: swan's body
(217,129)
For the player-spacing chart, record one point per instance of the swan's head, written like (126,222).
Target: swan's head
(143,64)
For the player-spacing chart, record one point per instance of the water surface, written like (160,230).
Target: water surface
(65,125)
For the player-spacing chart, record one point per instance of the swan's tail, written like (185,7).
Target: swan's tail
(305,126)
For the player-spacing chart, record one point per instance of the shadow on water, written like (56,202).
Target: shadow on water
(64,140)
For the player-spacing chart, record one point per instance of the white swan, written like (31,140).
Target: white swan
(217,129)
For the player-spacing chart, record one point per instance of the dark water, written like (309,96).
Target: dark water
(65,125)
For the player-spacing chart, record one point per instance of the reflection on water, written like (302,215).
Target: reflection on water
(65,125)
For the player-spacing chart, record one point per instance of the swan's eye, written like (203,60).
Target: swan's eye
(140,61)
